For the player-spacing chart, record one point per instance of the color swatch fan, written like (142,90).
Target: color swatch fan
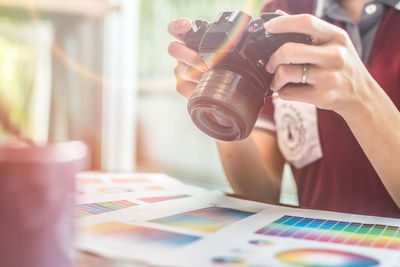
(331,231)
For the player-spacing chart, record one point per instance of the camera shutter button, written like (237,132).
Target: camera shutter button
(256,26)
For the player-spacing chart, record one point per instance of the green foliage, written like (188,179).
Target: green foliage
(16,77)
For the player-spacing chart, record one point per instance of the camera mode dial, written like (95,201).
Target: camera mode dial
(256,28)
(194,36)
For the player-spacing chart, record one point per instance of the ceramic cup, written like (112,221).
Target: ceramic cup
(37,185)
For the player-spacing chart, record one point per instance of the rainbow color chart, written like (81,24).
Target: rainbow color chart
(325,257)
(102,207)
(140,235)
(331,231)
(209,219)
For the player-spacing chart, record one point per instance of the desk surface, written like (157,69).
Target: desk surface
(155,219)
(86,259)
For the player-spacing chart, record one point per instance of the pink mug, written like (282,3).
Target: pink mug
(37,191)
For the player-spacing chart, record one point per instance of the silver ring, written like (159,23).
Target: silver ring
(304,76)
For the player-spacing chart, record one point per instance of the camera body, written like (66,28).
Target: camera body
(230,95)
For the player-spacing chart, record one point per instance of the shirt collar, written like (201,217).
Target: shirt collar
(335,11)
(391,3)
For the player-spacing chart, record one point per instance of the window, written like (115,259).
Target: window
(99,71)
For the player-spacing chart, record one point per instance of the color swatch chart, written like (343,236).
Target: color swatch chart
(102,207)
(331,231)
(207,219)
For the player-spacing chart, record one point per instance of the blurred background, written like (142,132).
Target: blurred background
(99,71)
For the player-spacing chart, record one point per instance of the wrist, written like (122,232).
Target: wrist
(362,100)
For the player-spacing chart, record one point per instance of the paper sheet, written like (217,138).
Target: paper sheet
(188,226)
(154,233)
(243,244)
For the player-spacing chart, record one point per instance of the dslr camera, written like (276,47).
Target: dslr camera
(230,95)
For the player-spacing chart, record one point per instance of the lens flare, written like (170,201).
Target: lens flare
(249,8)
(236,34)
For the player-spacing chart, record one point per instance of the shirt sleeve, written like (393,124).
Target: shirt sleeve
(271,6)
(265,120)
(289,6)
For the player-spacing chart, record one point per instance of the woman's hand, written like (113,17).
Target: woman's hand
(337,80)
(190,65)
(336,77)
(253,166)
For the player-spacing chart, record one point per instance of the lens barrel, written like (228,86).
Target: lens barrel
(225,105)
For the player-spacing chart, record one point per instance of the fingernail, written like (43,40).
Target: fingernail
(269,68)
(186,25)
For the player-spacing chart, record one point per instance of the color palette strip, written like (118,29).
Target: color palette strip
(140,235)
(228,261)
(261,242)
(115,190)
(331,231)
(84,210)
(209,219)
(88,180)
(130,180)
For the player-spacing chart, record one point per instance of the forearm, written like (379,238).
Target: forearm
(250,172)
(375,122)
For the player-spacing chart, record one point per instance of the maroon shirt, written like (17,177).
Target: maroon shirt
(341,178)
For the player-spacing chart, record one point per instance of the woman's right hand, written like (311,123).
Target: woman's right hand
(190,65)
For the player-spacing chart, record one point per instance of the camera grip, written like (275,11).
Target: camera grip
(281,38)
(273,41)
(278,39)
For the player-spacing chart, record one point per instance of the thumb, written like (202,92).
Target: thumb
(280,12)
(178,28)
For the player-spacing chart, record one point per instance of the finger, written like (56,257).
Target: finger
(286,74)
(297,53)
(320,30)
(179,27)
(185,72)
(184,54)
(300,93)
(185,88)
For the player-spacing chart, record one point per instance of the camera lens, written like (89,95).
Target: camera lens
(218,119)
(225,104)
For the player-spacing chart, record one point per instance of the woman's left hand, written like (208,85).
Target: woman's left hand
(336,77)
